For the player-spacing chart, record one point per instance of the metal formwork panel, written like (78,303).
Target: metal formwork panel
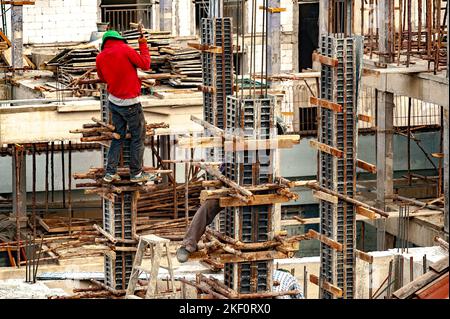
(217,68)
(118,269)
(252,118)
(217,74)
(339,130)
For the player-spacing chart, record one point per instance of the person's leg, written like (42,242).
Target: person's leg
(114,150)
(202,218)
(136,125)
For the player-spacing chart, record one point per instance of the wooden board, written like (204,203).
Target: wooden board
(325,60)
(324,239)
(257,200)
(326,197)
(326,285)
(326,148)
(58,225)
(326,104)
(244,257)
(370,214)
(366,166)
(282,141)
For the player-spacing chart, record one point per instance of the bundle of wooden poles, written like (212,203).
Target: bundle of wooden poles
(216,289)
(100,131)
(166,202)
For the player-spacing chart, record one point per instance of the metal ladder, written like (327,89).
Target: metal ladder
(156,244)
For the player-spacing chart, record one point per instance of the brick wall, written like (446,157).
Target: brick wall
(50,21)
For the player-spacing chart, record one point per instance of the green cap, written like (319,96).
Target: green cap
(111,34)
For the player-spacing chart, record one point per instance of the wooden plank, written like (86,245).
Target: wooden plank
(310,221)
(366,166)
(409,289)
(364,256)
(366,212)
(326,285)
(244,257)
(5,38)
(272,9)
(205,48)
(440,265)
(254,201)
(282,141)
(326,148)
(326,197)
(326,104)
(365,118)
(324,239)
(325,60)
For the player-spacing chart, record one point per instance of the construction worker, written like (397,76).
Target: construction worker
(202,218)
(117,67)
(284,281)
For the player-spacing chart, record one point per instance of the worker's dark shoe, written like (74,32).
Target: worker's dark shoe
(142,177)
(182,254)
(111,177)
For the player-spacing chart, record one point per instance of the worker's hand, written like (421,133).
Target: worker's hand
(141,29)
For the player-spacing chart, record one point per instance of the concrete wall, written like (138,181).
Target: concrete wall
(49,21)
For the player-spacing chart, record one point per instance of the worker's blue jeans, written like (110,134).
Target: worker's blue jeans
(131,117)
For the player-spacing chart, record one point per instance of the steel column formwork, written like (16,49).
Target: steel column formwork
(117,217)
(339,84)
(217,79)
(252,118)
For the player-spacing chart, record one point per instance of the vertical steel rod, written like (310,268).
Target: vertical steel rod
(63,175)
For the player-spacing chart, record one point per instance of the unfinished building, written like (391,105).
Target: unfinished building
(328,121)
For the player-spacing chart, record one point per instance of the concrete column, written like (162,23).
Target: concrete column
(323,18)
(165,15)
(385,156)
(215,8)
(273,42)
(384,16)
(17,37)
(19,188)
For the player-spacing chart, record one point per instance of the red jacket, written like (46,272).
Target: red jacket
(116,66)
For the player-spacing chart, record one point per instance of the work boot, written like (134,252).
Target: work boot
(182,254)
(111,177)
(142,177)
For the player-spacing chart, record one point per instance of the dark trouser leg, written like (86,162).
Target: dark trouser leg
(202,218)
(114,150)
(136,126)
